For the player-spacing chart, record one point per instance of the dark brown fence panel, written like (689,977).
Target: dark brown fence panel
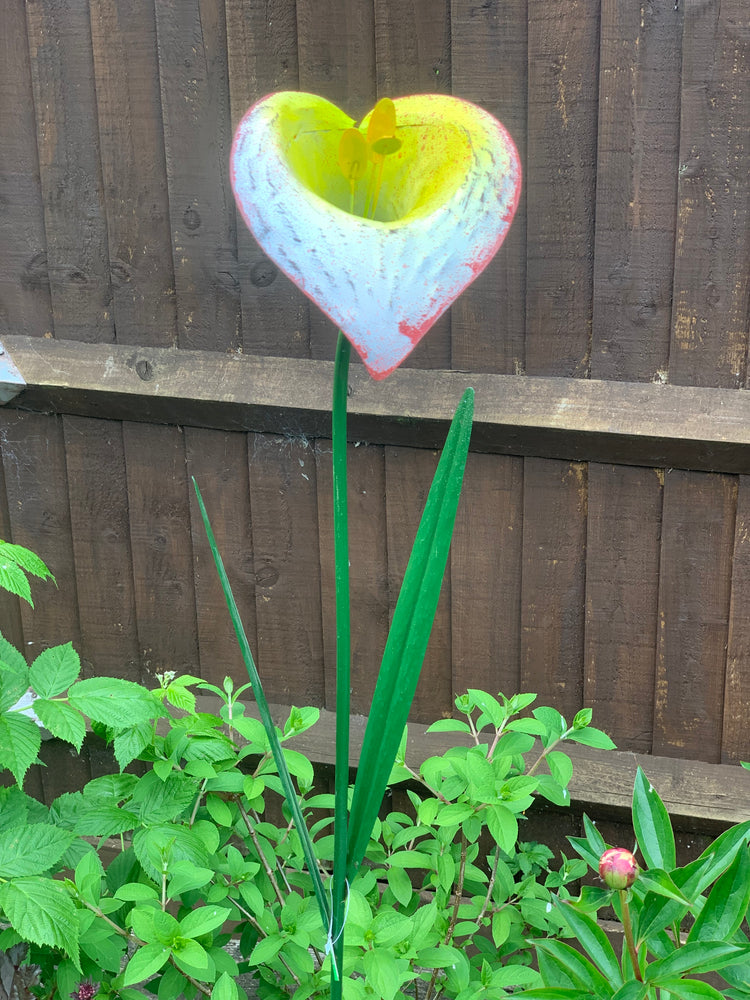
(262,57)
(193,73)
(735,743)
(636,190)
(218,461)
(24,282)
(622,581)
(489,67)
(485,577)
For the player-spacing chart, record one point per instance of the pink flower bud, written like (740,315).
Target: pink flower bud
(618,868)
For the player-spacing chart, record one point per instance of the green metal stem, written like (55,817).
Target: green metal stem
(343,659)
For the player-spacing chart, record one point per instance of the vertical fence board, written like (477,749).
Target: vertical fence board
(694,593)
(11,626)
(283,498)
(553,581)
(735,744)
(490,67)
(219,463)
(336,60)
(486,576)
(160,541)
(25,306)
(712,265)
(33,455)
(409,473)
(262,57)
(413,56)
(193,73)
(68,141)
(636,189)
(101,544)
(134,172)
(368,569)
(622,582)
(561,184)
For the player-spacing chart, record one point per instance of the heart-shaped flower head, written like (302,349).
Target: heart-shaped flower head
(384,223)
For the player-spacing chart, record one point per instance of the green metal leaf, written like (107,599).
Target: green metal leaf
(652,825)
(409,635)
(268,723)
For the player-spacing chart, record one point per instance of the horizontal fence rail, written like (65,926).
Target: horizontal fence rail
(621,423)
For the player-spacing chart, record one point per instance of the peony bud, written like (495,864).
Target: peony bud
(618,868)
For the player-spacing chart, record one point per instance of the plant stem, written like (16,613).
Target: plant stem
(454,915)
(343,659)
(264,861)
(628,928)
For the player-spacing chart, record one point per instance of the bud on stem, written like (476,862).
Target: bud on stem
(618,868)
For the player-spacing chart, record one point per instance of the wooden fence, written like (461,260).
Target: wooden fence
(602,553)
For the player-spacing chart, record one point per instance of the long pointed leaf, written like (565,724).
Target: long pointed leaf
(265,714)
(652,825)
(409,634)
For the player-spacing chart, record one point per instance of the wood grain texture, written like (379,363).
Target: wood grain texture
(128,104)
(11,626)
(413,56)
(636,189)
(486,577)
(408,476)
(59,37)
(735,743)
(218,462)
(283,498)
(161,545)
(490,67)
(712,263)
(553,581)
(337,61)
(24,283)
(561,184)
(33,456)
(694,593)
(194,80)
(262,57)
(100,530)
(622,585)
(368,568)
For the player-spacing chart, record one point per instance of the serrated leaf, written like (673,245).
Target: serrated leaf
(14,676)
(14,580)
(131,742)
(64,722)
(26,559)
(20,740)
(113,701)
(32,849)
(181,698)
(54,670)
(144,963)
(41,911)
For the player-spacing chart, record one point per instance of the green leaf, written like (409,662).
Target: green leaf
(180,697)
(400,885)
(560,766)
(26,559)
(690,989)
(266,949)
(64,722)
(54,670)
(225,988)
(408,636)
(131,742)
(652,825)
(185,876)
(440,956)
(727,903)
(577,967)
(503,826)
(657,881)
(594,941)
(204,920)
(449,726)
(41,911)
(110,700)
(32,849)
(14,675)
(696,957)
(20,740)
(144,963)
(592,737)
(383,972)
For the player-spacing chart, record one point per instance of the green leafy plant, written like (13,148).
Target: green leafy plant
(679,923)
(16,565)
(140,880)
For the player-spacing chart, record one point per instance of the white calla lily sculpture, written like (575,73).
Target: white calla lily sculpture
(381,224)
